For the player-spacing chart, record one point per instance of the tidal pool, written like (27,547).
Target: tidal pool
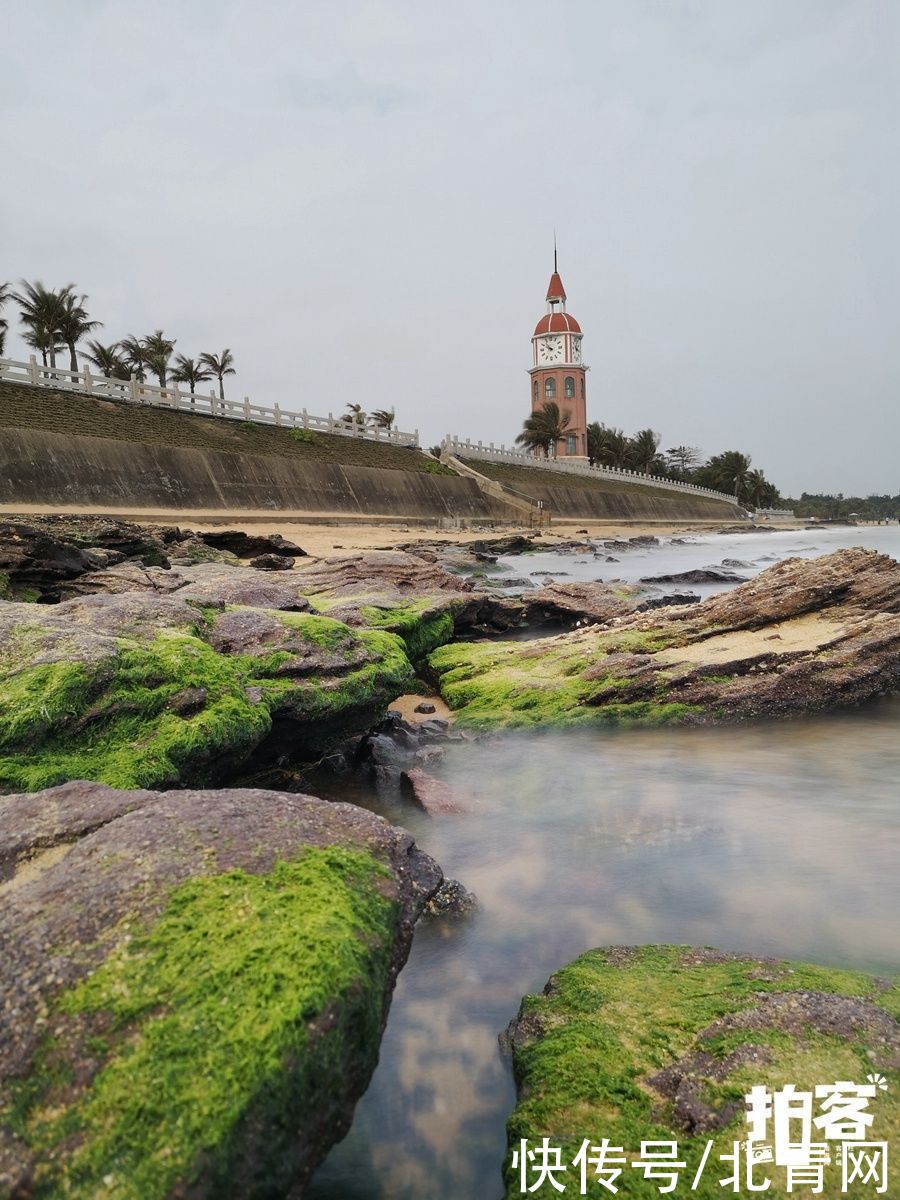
(771,838)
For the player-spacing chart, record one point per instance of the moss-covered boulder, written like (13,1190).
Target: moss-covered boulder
(137,689)
(662,1043)
(422,602)
(806,634)
(194,986)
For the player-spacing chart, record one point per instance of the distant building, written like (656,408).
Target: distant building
(558,372)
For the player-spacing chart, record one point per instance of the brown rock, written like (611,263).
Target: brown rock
(570,602)
(272,562)
(131,849)
(433,795)
(246,545)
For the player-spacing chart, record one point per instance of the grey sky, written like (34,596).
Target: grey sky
(359,197)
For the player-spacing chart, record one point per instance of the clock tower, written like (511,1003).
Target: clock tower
(558,371)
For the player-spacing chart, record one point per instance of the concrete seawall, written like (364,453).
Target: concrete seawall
(40,467)
(629,503)
(37,467)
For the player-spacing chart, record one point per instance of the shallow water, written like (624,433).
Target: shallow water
(774,838)
(756,551)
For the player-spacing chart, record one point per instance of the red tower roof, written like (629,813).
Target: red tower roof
(556,291)
(557,322)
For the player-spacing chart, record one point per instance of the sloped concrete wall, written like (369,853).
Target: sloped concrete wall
(40,467)
(630,504)
(37,467)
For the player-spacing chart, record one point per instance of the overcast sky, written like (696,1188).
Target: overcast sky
(359,199)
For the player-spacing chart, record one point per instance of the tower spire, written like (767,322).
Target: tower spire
(555,267)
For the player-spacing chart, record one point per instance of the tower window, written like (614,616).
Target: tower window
(570,444)
(550,389)
(570,387)
(535,390)
(582,387)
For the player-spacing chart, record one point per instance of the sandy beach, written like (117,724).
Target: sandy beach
(326,534)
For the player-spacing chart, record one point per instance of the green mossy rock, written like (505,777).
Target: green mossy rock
(661,1043)
(421,601)
(140,690)
(805,635)
(195,992)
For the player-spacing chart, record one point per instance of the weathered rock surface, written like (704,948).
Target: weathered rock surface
(700,575)
(194,993)
(33,562)
(451,901)
(433,795)
(571,602)
(248,545)
(210,583)
(805,635)
(389,589)
(272,562)
(139,689)
(40,553)
(649,1042)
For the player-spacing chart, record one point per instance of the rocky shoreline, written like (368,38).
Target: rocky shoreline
(145,671)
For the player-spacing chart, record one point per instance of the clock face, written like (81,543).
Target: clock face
(576,349)
(551,349)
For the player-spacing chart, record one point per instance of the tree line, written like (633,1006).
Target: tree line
(55,320)
(730,472)
(828,507)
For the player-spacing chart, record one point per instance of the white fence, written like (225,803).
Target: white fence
(520,458)
(132,391)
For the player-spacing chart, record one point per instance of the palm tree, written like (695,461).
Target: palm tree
(544,429)
(107,360)
(74,324)
(157,352)
(728,472)
(219,366)
(43,311)
(642,450)
(134,355)
(607,446)
(37,337)
(384,418)
(356,415)
(5,294)
(186,370)
(759,491)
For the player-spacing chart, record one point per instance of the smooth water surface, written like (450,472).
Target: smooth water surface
(771,838)
(754,550)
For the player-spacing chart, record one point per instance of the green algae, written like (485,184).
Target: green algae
(421,628)
(118,721)
(226,1029)
(611,1019)
(491,685)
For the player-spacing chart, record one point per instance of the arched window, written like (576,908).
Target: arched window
(535,390)
(582,387)
(570,387)
(550,389)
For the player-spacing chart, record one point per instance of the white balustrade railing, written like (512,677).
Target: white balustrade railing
(132,391)
(453,445)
